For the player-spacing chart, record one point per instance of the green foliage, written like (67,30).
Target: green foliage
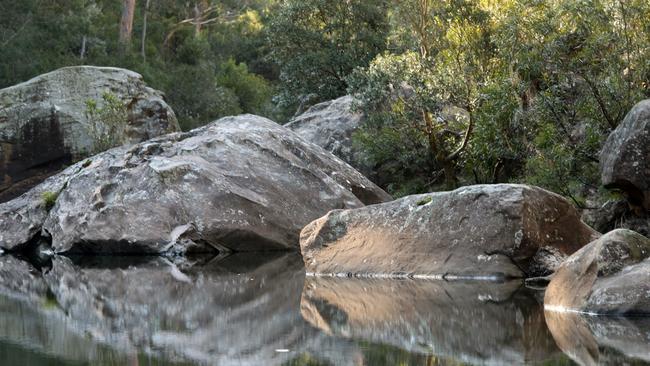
(393,134)
(498,146)
(543,83)
(535,86)
(305,360)
(38,37)
(424,201)
(253,91)
(577,69)
(49,199)
(317,44)
(196,97)
(107,122)
(421,104)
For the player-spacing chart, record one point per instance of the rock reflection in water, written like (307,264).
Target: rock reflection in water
(477,322)
(233,311)
(601,340)
(249,309)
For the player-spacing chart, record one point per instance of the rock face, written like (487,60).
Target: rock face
(476,231)
(241,183)
(625,157)
(330,125)
(617,214)
(609,276)
(43,122)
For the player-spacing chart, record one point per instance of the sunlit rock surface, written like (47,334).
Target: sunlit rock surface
(240,183)
(608,276)
(44,121)
(484,231)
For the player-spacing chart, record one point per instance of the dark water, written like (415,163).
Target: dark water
(259,309)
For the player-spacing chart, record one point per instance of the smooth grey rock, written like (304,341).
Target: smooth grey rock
(625,157)
(611,275)
(44,122)
(481,231)
(330,125)
(240,183)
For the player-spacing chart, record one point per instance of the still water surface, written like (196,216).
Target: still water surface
(260,309)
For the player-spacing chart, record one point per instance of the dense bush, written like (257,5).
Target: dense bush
(318,43)
(543,83)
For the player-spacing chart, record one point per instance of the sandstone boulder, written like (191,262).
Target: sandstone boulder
(240,183)
(476,231)
(609,276)
(625,157)
(330,125)
(44,123)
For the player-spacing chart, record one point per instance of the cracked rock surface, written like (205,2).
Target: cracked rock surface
(483,231)
(625,157)
(240,183)
(608,276)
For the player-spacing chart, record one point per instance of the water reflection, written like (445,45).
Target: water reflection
(478,322)
(594,340)
(259,309)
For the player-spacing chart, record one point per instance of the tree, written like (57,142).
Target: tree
(126,21)
(447,62)
(318,43)
(577,67)
(143,42)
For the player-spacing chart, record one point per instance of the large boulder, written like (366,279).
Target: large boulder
(239,183)
(44,123)
(330,125)
(625,157)
(476,231)
(609,276)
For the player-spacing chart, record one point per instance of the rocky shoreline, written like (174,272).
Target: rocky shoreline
(245,183)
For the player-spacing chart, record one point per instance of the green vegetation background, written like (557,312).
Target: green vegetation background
(456,91)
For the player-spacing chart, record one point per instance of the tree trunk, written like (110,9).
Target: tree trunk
(144,31)
(82,54)
(449,168)
(126,22)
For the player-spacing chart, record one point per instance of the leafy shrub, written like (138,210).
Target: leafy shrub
(107,124)
(252,91)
